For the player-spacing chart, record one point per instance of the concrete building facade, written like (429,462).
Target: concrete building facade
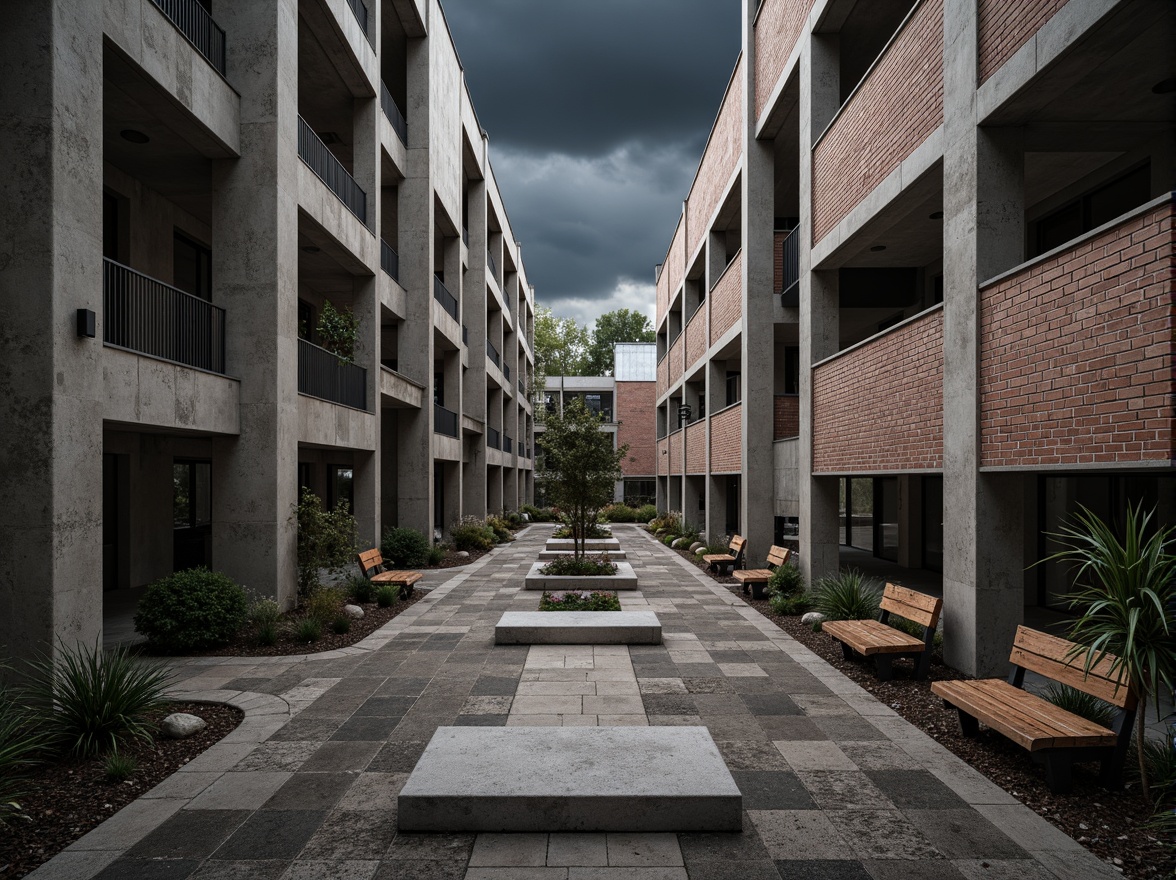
(188,185)
(919,302)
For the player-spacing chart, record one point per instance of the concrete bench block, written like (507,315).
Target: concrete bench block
(578,628)
(549,779)
(545,555)
(624,579)
(591,545)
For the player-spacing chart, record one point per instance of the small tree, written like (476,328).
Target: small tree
(326,539)
(580,467)
(1125,591)
(338,330)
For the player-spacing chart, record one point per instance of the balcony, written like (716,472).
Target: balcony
(444,421)
(522,387)
(193,21)
(726,299)
(492,438)
(491,265)
(389,261)
(507,445)
(322,375)
(361,14)
(787,260)
(399,123)
(330,171)
(442,295)
(147,316)
(506,372)
(492,354)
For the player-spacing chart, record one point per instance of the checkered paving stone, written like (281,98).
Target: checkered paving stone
(835,785)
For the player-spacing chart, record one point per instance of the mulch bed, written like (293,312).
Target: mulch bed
(66,799)
(1107,823)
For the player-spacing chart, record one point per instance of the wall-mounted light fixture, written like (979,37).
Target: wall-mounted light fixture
(684,411)
(87,324)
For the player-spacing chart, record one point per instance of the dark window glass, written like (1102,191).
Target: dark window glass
(192,494)
(933,523)
(191,267)
(305,320)
(342,487)
(110,226)
(1093,209)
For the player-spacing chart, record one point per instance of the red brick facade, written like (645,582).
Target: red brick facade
(696,336)
(1077,353)
(893,111)
(696,448)
(726,440)
(726,299)
(675,359)
(778,25)
(663,376)
(879,407)
(674,459)
(786,417)
(636,408)
(672,271)
(663,457)
(723,153)
(1004,26)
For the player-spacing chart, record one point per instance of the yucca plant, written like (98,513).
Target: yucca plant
(848,595)
(20,743)
(91,700)
(1124,591)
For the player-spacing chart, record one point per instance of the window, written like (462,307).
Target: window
(734,388)
(341,488)
(1091,210)
(192,495)
(640,492)
(191,266)
(305,320)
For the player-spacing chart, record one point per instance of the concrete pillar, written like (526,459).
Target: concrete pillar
(983,203)
(389,451)
(50,379)
(474,316)
(366,115)
(255,264)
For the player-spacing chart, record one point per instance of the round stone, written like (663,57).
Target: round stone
(181,725)
(353,611)
(812,617)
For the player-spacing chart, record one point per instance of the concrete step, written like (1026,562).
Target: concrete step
(624,579)
(578,628)
(547,779)
(591,545)
(546,555)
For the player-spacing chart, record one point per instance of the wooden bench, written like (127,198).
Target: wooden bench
(1052,735)
(725,563)
(757,578)
(371,564)
(877,639)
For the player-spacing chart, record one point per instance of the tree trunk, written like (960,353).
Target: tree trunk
(1139,738)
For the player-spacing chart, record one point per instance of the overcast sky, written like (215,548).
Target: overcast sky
(597,112)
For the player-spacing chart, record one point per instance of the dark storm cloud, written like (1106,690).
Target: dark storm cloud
(597,111)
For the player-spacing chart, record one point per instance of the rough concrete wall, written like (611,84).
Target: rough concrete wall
(786,416)
(144,391)
(894,110)
(778,25)
(880,407)
(719,161)
(696,342)
(785,461)
(1004,26)
(726,440)
(635,408)
(726,299)
(1077,353)
(445,123)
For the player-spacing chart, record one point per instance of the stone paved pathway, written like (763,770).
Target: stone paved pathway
(835,784)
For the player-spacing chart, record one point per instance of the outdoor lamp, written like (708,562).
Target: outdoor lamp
(684,413)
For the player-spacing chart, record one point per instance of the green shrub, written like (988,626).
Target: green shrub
(361,589)
(539,514)
(1080,703)
(326,539)
(387,594)
(341,624)
(580,600)
(500,528)
(436,555)
(267,634)
(849,595)
(513,519)
(669,539)
(570,566)
(619,513)
(264,611)
(309,629)
(592,530)
(191,609)
(790,604)
(92,700)
(323,604)
(404,547)
(472,535)
(20,743)
(645,513)
(786,580)
(671,521)
(119,768)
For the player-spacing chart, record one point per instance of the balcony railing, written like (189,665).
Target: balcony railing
(194,22)
(389,260)
(790,281)
(492,353)
(361,14)
(491,265)
(522,387)
(150,317)
(399,124)
(442,295)
(444,421)
(507,445)
(506,372)
(330,171)
(492,438)
(321,375)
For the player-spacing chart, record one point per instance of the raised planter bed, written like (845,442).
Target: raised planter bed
(578,628)
(624,579)
(547,555)
(591,545)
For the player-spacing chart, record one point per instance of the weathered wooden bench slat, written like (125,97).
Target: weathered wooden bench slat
(877,639)
(1051,656)
(370,563)
(869,637)
(727,562)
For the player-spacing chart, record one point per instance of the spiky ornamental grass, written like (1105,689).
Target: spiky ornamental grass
(848,595)
(1123,593)
(20,744)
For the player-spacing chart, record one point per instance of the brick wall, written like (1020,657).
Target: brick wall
(893,111)
(880,407)
(726,441)
(723,152)
(778,26)
(1004,26)
(663,377)
(786,417)
(672,271)
(662,459)
(696,447)
(674,459)
(726,301)
(696,336)
(675,359)
(1077,353)
(635,405)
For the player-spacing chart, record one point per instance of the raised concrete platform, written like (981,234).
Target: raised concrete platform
(546,555)
(547,779)
(624,579)
(578,628)
(591,545)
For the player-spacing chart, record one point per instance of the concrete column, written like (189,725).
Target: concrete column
(474,380)
(366,115)
(389,451)
(50,379)
(983,514)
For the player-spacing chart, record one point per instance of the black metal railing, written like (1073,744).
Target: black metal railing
(153,318)
(444,421)
(492,353)
(790,284)
(322,375)
(492,438)
(442,295)
(399,123)
(389,260)
(491,265)
(506,372)
(522,387)
(194,22)
(507,445)
(361,14)
(330,170)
